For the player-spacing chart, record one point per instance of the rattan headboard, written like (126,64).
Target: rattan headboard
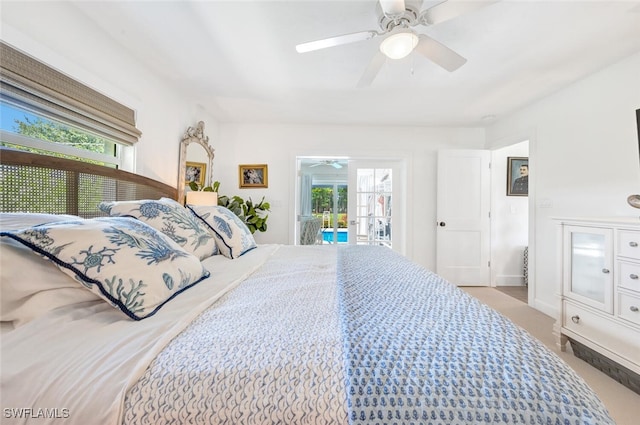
(45,184)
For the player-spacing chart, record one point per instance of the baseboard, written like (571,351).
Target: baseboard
(543,307)
(510,280)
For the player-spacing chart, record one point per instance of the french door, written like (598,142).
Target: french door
(375,207)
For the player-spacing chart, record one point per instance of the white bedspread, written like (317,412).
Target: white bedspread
(79,362)
(268,352)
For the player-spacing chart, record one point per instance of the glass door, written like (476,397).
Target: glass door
(373,203)
(590,280)
(329,201)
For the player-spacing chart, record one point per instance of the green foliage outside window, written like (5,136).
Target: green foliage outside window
(39,128)
(322,200)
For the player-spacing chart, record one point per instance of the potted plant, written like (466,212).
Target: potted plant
(213,188)
(254,215)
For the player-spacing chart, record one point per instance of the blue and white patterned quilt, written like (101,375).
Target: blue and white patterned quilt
(421,351)
(391,343)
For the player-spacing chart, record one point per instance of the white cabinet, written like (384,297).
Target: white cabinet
(599,288)
(588,275)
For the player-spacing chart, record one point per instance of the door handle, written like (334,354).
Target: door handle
(442,224)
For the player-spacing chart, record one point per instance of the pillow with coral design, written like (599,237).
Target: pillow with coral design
(170,218)
(122,260)
(233,236)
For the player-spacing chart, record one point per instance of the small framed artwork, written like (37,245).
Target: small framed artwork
(196,172)
(255,175)
(517,176)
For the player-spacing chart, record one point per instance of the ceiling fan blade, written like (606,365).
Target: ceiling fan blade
(392,7)
(439,53)
(335,41)
(450,9)
(372,70)
(336,165)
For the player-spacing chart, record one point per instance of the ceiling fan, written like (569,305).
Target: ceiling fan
(398,24)
(330,162)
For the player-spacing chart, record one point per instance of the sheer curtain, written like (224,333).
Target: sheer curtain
(305,196)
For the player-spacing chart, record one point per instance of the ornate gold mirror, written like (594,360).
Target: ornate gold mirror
(197,160)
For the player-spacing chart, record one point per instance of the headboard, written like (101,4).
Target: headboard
(37,183)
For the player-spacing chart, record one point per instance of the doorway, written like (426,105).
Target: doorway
(510,217)
(351,201)
(473,192)
(323,201)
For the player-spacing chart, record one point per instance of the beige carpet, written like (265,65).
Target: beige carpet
(623,404)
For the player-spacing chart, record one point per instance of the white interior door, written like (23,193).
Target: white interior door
(376,203)
(463,202)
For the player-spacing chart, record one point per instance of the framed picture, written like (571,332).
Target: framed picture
(254,175)
(195,172)
(517,176)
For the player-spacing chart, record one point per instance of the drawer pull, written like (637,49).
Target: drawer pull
(605,271)
(633,308)
(633,244)
(575,319)
(633,276)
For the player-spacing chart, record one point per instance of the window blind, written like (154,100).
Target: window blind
(33,85)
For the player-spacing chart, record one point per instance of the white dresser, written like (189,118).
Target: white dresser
(599,293)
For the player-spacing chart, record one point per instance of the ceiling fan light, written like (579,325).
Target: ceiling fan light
(399,45)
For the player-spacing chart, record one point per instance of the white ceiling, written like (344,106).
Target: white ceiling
(238,58)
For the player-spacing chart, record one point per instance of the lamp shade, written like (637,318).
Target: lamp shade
(202,198)
(399,45)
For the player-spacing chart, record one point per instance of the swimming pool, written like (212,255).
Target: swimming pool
(327,235)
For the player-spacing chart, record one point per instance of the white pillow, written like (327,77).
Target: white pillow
(232,236)
(122,260)
(170,218)
(29,286)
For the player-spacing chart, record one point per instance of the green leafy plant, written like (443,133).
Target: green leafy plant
(213,188)
(253,215)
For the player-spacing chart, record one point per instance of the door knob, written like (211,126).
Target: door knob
(442,224)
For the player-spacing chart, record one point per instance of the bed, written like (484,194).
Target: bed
(235,332)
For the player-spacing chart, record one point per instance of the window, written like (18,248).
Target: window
(46,111)
(34,133)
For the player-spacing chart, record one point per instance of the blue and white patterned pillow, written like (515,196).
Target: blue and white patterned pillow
(172,219)
(232,236)
(122,260)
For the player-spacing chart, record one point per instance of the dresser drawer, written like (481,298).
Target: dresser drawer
(629,307)
(629,275)
(606,332)
(629,244)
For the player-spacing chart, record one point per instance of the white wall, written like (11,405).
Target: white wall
(584,150)
(278,145)
(59,35)
(509,221)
